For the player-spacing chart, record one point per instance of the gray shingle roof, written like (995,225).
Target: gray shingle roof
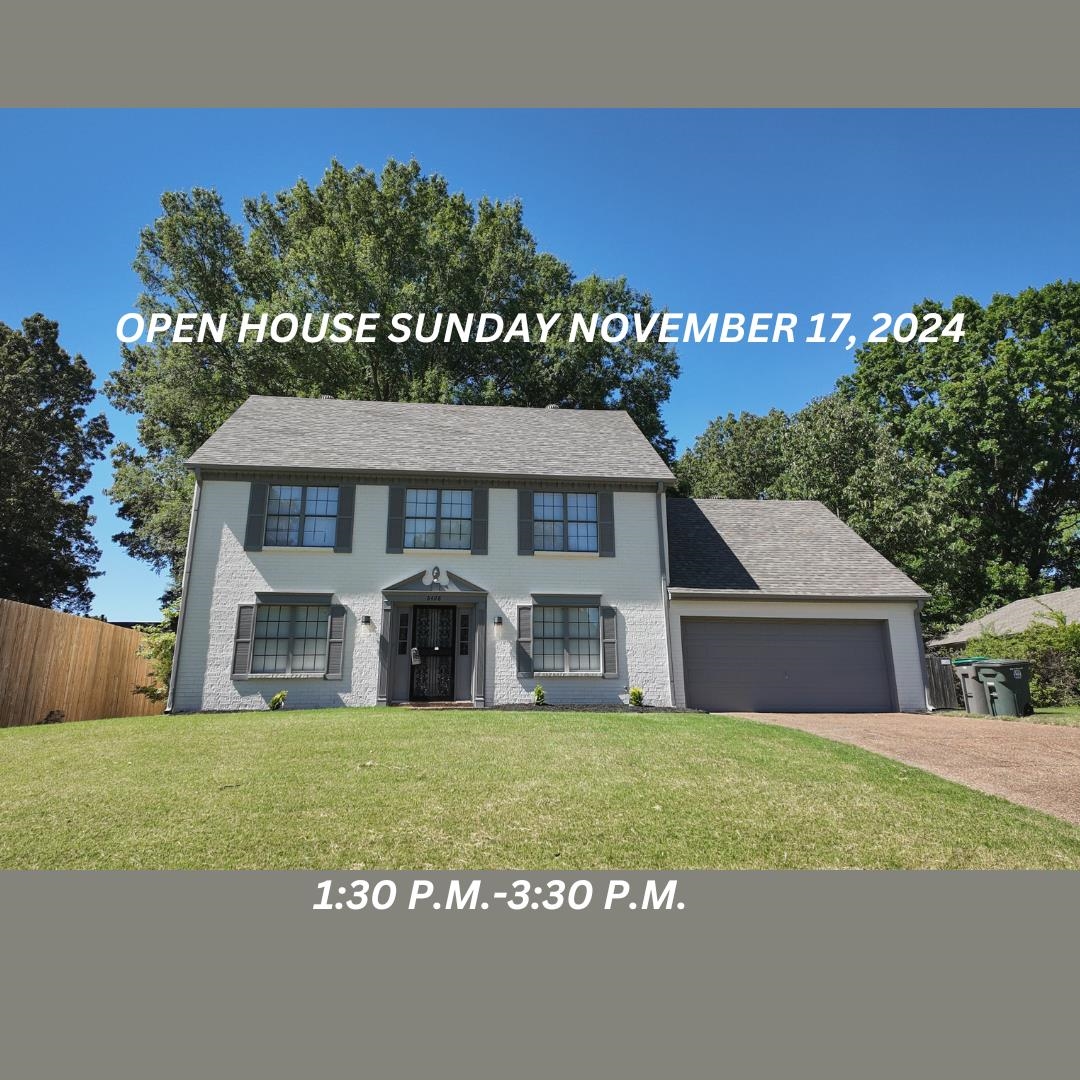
(269,433)
(1016,617)
(775,548)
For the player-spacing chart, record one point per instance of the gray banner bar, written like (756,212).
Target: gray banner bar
(562,52)
(761,974)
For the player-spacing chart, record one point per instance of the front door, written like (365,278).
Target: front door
(433,645)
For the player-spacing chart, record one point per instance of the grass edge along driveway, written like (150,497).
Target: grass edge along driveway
(469,790)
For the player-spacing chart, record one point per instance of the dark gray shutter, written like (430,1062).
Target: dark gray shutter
(256,519)
(480,521)
(605,516)
(395,521)
(383,686)
(245,632)
(346,511)
(524,642)
(525,522)
(609,645)
(479,653)
(335,645)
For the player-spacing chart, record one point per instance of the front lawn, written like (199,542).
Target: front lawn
(403,789)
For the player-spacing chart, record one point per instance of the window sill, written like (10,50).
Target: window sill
(569,675)
(294,675)
(307,549)
(436,551)
(566,554)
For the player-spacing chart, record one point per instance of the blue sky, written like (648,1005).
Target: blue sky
(802,211)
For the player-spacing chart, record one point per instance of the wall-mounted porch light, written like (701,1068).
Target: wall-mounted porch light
(366,620)
(498,620)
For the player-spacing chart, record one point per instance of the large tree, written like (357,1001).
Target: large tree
(399,241)
(47,447)
(838,452)
(998,415)
(959,460)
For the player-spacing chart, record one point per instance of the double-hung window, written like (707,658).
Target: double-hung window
(290,639)
(566,639)
(438,518)
(298,516)
(564,521)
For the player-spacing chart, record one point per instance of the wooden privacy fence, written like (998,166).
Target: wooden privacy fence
(55,663)
(941,678)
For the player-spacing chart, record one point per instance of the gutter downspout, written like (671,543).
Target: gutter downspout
(920,642)
(665,601)
(189,558)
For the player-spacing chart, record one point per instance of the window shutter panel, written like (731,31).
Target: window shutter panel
(245,631)
(480,521)
(335,645)
(346,511)
(525,522)
(609,645)
(524,642)
(395,521)
(256,519)
(605,517)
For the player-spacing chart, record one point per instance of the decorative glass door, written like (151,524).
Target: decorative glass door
(433,654)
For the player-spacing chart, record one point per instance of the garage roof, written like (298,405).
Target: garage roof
(775,548)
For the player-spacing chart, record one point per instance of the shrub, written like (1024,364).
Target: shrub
(1052,644)
(157,644)
(278,700)
(637,697)
(539,698)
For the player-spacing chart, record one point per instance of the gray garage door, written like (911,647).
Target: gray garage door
(782,665)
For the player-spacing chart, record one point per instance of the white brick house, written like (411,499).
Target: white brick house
(362,553)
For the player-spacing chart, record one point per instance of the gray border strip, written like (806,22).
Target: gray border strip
(785,53)
(763,975)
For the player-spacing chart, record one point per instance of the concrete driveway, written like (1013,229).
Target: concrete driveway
(1036,765)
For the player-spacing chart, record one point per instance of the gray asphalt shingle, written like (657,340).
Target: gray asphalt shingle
(1016,617)
(402,437)
(775,547)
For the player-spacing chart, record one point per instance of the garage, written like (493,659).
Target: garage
(788,665)
(778,606)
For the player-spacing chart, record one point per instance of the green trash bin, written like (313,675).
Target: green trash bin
(1007,685)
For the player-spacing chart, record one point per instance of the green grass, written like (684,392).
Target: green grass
(1065,716)
(1069,716)
(395,788)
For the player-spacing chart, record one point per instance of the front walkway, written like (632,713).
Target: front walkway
(1036,765)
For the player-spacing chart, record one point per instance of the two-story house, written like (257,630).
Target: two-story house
(362,553)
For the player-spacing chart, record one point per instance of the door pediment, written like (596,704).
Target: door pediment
(433,583)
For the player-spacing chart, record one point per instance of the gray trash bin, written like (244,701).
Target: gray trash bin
(972,689)
(1007,684)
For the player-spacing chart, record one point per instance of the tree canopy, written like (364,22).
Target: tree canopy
(997,416)
(959,461)
(47,447)
(399,241)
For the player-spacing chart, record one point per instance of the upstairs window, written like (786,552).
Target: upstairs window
(438,518)
(564,522)
(301,516)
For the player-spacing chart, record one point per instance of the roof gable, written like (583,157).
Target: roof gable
(774,547)
(268,433)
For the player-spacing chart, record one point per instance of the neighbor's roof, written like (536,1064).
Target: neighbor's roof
(268,433)
(1016,617)
(772,547)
